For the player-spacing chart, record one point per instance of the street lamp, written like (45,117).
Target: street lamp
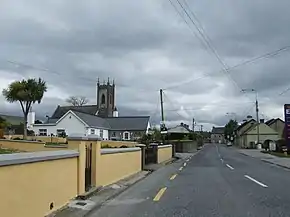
(257,111)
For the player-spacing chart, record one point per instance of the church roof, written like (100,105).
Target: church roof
(133,123)
(61,110)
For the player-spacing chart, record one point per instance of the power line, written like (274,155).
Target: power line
(250,61)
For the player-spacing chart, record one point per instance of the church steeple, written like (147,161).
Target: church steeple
(106,98)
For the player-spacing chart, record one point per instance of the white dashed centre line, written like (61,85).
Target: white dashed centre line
(257,182)
(229,166)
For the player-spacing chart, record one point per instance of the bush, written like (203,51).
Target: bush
(106,146)
(280,144)
(124,146)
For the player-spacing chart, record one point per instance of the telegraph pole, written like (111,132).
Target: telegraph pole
(193,124)
(258,120)
(161,106)
(257,112)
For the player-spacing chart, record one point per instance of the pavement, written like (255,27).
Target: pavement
(218,181)
(268,158)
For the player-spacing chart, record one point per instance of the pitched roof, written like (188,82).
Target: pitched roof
(61,110)
(270,121)
(179,129)
(244,124)
(134,123)
(218,130)
(13,120)
(93,120)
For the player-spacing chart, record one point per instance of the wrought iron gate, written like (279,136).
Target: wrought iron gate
(88,169)
(151,155)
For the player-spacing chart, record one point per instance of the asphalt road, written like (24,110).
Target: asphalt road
(217,181)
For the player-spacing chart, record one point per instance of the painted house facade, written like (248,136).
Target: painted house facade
(277,125)
(250,136)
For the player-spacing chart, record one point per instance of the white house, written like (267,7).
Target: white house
(73,122)
(79,123)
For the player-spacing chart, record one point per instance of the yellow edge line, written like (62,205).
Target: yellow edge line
(173,177)
(159,194)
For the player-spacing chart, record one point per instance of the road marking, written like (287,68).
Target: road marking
(254,180)
(222,160)
(180,168)
(229,166)
(184,164)
(187,160)
(173,177)
(159,194)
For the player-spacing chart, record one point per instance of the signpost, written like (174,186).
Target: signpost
(287,124)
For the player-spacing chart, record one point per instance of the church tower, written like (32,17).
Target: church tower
(106,98)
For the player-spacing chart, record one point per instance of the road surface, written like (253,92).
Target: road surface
(217,181)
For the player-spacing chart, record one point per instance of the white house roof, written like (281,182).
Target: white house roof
(178,129)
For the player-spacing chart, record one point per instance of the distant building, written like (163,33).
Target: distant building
(217,135)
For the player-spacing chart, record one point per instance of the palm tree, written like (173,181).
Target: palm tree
(26,92)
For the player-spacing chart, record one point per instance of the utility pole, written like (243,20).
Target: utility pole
(193,124)
(257,112)
(162,125)
(201,126)
(258,120)
(161,106)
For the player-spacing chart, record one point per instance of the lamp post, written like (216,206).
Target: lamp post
(257,111)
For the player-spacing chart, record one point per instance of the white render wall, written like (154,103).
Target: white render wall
(97,132)
(69,123)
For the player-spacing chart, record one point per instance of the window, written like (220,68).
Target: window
(103,100)
(60,132)
(126,135)
(101,133)
(42,132)
(92,131)
(114,134)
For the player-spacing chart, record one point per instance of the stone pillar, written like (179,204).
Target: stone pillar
(143,155)
(81,168)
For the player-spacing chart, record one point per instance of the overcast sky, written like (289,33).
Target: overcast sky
(145,45)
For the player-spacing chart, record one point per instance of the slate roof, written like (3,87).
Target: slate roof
(243,124)
(269,122)
(133,123)
(218,130)
(272,121)
(61,110)
(93,120)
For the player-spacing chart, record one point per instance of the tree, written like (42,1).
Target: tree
(38,122)
(26,92)
(230,128)
(3,123)
(77,100)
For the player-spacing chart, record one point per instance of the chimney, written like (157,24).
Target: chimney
(262,120)
(115,112)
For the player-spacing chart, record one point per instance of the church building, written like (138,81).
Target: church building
(100,119)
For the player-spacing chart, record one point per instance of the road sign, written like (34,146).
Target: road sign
(287,124)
